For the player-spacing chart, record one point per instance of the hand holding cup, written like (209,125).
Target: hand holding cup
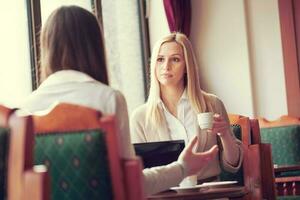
(215,123)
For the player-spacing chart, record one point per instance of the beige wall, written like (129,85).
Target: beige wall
(238,46)
(158,25)
(266,58)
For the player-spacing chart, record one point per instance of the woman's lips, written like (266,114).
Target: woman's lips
(166,75)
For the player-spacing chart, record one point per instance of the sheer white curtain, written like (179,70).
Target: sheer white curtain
(124,51)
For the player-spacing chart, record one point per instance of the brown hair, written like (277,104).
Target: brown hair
(72,39)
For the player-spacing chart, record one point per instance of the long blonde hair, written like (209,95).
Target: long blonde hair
(154,116)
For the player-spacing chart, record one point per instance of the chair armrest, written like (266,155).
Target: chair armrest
(134,180)
(36,184)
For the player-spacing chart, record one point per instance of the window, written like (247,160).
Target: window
(15,76)
(48,6)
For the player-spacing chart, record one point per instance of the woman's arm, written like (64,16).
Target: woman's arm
(232,153)
(137,125)
(122,122)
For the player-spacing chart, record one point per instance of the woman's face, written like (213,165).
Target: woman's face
(170,65)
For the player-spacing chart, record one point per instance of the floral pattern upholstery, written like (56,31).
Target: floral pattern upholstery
(238,176)
(77,162)
(4,141)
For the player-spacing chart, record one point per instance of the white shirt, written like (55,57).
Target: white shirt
(184,127)
(75,87)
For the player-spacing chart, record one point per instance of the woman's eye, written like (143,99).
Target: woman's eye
(176,59)
(160,59)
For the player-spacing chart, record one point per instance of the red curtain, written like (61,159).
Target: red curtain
(178,14)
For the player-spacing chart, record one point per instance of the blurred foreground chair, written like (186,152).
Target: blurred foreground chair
(21,172)
(258,175)
(284,135)
(4,148)
(80,149)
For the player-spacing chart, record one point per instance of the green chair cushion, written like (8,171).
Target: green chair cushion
(4,144)
(285,143)
(238,176)
(78,164)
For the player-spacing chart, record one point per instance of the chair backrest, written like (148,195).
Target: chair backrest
(244,123)
(81,153)
(266,161)
(285,142)
(4,149)
(80,148)
(284,135)
(258,175)
(284,120)
(241,128)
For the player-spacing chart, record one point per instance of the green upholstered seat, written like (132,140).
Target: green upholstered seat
(78,164)
(238,176)
(4,143)
(285,142)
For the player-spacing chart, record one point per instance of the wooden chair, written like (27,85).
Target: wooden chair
(4,148)
(284,135)
(24,180)
(258,175)
(79,146)
(266,161)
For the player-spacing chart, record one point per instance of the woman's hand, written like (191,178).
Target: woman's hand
(220,126)
(193,162)
(230,149)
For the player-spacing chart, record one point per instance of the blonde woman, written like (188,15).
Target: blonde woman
(175,99)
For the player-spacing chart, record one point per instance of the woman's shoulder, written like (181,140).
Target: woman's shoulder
(209,96)
(104,91)
(139,112)
(212,100)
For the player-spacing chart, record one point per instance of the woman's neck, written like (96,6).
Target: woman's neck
(170,96)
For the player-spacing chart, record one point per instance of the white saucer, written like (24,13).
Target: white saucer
(184,189)
(203,185)
(218,184)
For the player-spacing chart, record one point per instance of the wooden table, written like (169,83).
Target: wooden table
(231,192)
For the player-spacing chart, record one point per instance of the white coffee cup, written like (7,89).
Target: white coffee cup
(189,181)
(205,120)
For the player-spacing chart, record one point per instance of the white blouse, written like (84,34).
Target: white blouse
(185,125)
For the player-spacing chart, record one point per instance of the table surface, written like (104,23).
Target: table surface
(203,193)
